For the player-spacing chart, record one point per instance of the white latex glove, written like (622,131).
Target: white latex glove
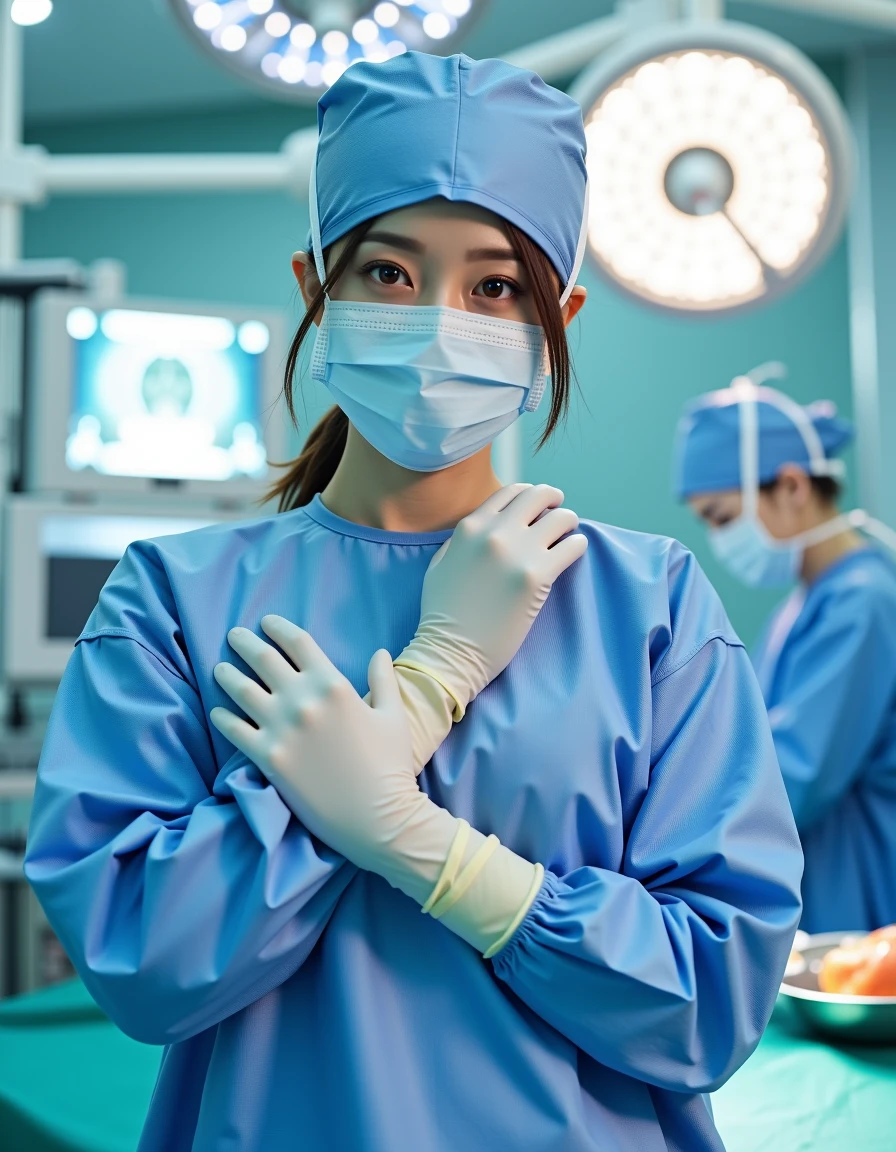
(485,586)
(345,769)
(342,765)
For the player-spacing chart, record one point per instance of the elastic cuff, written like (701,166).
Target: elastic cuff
(520,916)
(531,930)
(459,707)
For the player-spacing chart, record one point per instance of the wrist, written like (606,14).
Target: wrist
(415,855)
(454,662)
(430,710)
(484,891)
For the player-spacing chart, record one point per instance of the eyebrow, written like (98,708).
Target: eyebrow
(395,240)
(493,254)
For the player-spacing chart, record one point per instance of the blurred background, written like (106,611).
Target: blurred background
(154,166)
(149,208)
(123,77)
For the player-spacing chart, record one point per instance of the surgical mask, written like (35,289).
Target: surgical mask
(428,386)
(745,547)
(758,559)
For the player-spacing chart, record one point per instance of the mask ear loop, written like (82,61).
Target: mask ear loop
(860,519)
(320,353)
(580,248)
(316,247)
(819,463)
(749,448)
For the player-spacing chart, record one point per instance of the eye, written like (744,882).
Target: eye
(497,288)
(388,275)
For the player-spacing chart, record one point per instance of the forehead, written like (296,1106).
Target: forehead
(701,501)
(445,215)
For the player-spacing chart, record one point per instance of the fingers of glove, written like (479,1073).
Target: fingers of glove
(252,698)
(554,524)
(565,553)
(525,508)
(499,500)
(240,734)
(299,646)
(484,518)
(263,658)
(384,692)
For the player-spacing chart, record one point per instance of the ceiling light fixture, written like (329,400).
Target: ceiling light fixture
(28,12)
(294,49)
(720,163)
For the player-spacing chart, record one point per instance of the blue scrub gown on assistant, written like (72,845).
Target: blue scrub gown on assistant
(827,669)
(307,1005)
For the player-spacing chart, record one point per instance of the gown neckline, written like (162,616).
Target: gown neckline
(316,510)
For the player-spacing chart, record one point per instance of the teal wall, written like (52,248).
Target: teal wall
(636,367)
(879,70)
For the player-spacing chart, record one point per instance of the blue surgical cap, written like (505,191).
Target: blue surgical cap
(479,131)
(707,450)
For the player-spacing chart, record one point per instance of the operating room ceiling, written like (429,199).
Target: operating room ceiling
(109,58)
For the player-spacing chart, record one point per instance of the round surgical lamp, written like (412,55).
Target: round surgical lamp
(720,163)
(294,49)
(27,12)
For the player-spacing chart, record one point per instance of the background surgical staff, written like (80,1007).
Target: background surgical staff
(763,474)
(653,860)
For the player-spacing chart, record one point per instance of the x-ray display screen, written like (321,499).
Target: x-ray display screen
(166,395)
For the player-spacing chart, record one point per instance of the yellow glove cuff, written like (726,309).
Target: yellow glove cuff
(451,865)
(459,709)
(486,900)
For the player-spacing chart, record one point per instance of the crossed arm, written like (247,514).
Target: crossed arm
(182,902)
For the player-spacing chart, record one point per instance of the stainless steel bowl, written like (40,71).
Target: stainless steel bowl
(861,1018)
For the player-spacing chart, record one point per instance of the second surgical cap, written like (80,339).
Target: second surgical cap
(418,126)
(707,450)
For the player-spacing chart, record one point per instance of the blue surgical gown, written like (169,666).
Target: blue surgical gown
(827,668)
(306,1005)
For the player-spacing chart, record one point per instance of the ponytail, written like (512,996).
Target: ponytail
(313,470)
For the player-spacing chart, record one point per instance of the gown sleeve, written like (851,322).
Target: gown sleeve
(667,970)
(833,691)
(182,891)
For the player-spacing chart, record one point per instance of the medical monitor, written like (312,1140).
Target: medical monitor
(57,557)
(139,395)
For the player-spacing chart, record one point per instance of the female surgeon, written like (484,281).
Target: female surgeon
(762,472)
(572,926)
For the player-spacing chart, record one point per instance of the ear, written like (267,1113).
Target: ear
(306,275)
(794,486)
(573,305)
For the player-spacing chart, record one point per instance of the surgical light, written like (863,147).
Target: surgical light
(233,38)
(28,12)
(294,49)
(720,162)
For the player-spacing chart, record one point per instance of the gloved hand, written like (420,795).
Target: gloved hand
(485,586)
(345,769)
(342,765)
